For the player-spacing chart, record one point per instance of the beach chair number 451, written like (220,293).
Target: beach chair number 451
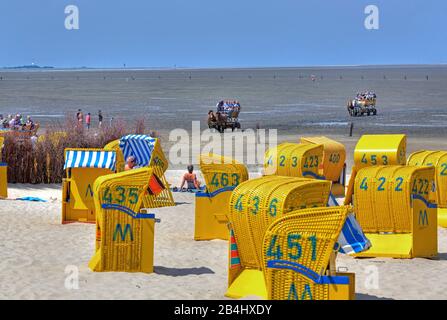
(294,247)
(120,195)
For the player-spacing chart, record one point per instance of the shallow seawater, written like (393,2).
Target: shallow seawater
(285,99)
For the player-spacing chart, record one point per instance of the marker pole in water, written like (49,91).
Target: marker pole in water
(351,129)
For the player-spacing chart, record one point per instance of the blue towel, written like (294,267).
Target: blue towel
(352,239)
(31,199)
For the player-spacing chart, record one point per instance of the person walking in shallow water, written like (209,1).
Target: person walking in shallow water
(80,117)
(100,118)
(88,119)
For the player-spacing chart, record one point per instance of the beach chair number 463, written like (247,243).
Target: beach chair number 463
(120,195)
(294,247)
(223,180)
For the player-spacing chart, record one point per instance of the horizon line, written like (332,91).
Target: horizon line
(54,68)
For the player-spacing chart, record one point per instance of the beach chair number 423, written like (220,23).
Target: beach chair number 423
(120,195)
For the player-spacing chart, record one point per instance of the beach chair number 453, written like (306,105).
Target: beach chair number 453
(294,247)
(374,159)
(120,195)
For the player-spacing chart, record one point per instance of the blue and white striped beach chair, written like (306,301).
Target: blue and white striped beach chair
(82,167)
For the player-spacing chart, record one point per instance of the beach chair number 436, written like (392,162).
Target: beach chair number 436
(120,195)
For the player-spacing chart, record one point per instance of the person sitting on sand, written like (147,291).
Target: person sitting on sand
(191,179)
(131,163)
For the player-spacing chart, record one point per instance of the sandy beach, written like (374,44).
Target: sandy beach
(38,253)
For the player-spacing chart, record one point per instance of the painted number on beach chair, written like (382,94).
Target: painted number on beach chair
(223,180)
(272,207)
(399,182)
(282,161)
(373,159)
(255,209)
(420,186)
(382,183)
(294,162)
(121,195)
(334,158)
(238,205)
(443,170)
(364,184)
(159,162)
(311,162)
(294,247)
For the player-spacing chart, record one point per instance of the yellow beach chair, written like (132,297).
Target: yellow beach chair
(120,161)
(294,160)
(438,193)
(124,234)
(376,150)
(222,175)
(333,166)
(3,173)
(148,153)
(299,256)
(392,205)
(82,167)
(254,205)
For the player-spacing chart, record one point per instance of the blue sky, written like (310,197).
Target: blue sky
(230,33)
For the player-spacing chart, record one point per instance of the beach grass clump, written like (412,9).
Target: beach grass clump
(41,159)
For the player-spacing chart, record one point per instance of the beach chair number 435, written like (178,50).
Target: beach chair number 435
(120,195)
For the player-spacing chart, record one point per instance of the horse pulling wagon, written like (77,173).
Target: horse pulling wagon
(363,103)
(226,116)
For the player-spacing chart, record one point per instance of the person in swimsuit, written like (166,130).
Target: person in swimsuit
(190,179)
(131,163)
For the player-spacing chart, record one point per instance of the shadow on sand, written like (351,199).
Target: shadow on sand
(363,296)
(440,256)
(180,272)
